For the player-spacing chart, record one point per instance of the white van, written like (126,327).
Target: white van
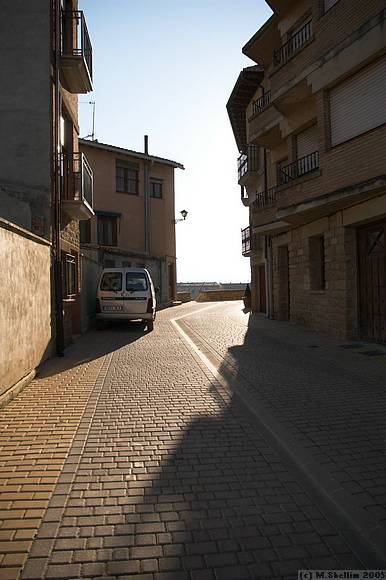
(125,294)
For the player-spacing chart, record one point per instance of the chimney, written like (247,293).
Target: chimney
(146,141)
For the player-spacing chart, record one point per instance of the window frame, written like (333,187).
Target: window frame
(160,183)
(101,220)
(85,231)
(130,185)
(317,262)
(70,276)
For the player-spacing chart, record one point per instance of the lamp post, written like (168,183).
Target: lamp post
(184,213)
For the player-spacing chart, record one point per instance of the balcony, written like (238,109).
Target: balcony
(294,45)
(76,186)
(248,166)
(299,168)
(76,53)
(246,245)
(264,199)
(261,103)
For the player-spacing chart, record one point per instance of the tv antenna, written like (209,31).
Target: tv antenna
(92,134)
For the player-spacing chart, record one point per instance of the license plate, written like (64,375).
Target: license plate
(112,308)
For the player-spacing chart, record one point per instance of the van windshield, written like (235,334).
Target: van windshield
(136,281)
(112,281)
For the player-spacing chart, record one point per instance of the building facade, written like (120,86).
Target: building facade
(309,119)
(134,222)
(45,183)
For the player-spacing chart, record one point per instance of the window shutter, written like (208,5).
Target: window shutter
(307,142)
(358,104)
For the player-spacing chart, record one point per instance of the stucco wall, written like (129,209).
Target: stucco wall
(25,303)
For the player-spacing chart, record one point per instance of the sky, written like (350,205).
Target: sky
(166,69)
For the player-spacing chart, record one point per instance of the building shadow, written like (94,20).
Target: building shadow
(93,345)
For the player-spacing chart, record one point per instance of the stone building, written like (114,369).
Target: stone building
(309,120)
(45,183)
(134,223)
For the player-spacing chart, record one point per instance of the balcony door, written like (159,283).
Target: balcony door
(372,282)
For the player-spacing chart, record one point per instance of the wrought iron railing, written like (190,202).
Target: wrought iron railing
(76,178)
(293,45)
(298,168)
(261,103)
(248,161)
(265,198)
(75,37)
(246,240)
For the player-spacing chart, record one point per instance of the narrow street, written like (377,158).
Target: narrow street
(218,447)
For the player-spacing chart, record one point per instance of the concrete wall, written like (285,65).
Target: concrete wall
(25,303)
(25,119)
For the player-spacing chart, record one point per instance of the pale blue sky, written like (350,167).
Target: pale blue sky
(166,69)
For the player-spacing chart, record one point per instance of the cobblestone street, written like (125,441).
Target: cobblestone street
(217,447)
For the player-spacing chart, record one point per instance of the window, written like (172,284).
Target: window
(126,177)
(156,186)
(136,282)
(358,104)
(111,281)
(317,263)
(107,230)
(85,231)
(69,276)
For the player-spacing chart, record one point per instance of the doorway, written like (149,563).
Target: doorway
(372,282)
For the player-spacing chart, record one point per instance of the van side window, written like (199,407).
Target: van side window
(111,281)
(135,281)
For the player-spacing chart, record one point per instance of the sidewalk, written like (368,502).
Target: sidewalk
(128,459)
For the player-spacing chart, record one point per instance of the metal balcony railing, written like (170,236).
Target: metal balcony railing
(261,103)
(298,168)
(293,45)
(265,198)
(248,162)
(76,178)
(246,240)
(75,39)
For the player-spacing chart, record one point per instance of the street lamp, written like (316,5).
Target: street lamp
(184,213)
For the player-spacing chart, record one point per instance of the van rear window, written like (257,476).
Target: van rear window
(136,281)
(111,281)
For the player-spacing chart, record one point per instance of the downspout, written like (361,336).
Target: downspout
(55,181)
(268,251)
(146,198)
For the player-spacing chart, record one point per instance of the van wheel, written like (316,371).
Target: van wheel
(100,325)
(150,325)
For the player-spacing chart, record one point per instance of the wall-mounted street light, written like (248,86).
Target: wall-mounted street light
(184,213)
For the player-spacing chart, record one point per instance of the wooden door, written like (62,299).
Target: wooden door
(262,290)
(283,271)
(372,282)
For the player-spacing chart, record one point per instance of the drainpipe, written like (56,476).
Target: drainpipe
(146,197)
(268,251)
(55,181)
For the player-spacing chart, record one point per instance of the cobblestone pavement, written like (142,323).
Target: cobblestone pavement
(127,459)
(329,395)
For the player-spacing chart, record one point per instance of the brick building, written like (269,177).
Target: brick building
(134,223)
(309,119)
